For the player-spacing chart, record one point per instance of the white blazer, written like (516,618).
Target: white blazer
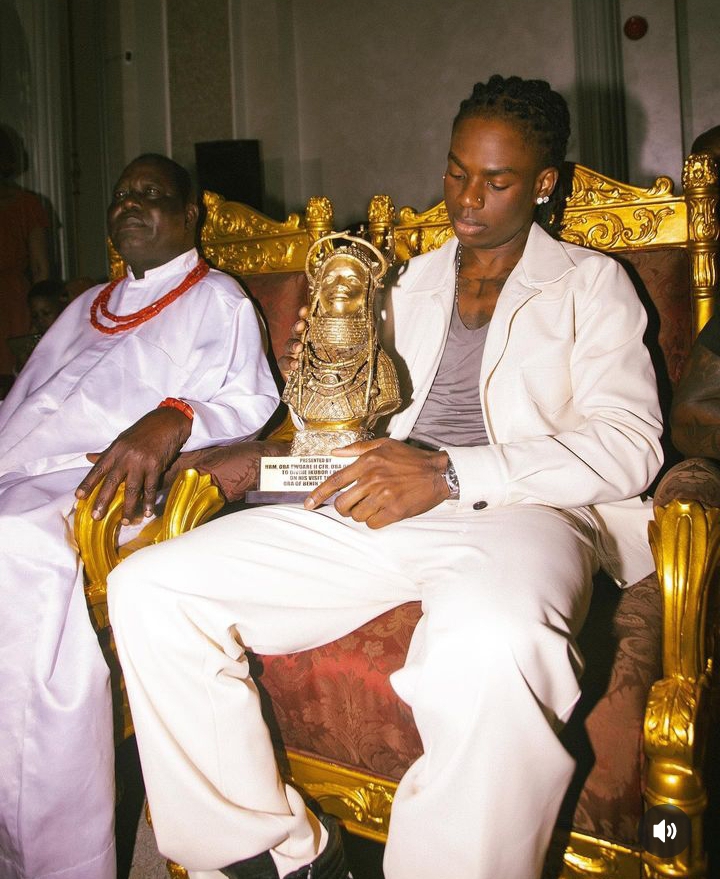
(567,388)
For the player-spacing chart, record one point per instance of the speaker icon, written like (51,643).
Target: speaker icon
(659,831)
(665,831)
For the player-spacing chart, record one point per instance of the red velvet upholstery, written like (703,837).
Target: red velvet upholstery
(665,273)
(335,701)
(279,295)
(621,645)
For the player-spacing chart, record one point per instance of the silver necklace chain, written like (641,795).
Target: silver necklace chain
(458,260)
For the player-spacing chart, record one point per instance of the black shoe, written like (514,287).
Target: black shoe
(329,864)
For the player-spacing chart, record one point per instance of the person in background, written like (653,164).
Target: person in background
(531,427)
(46,300)
(708,142)
(131,372)
(75,286)
(24,247)
(695,413)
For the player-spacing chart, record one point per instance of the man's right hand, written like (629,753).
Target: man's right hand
(390,481)
(138,457)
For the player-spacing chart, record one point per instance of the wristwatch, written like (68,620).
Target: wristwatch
(451,478)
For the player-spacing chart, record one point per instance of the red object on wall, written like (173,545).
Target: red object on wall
(635,27)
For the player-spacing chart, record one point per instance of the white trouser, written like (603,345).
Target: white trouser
(57,795)
(491,674)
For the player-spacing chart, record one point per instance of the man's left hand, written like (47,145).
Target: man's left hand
(390,481)
(138,457)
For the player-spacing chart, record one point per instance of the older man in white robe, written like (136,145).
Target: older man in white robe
(170,358)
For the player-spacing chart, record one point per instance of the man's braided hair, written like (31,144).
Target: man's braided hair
(541,115)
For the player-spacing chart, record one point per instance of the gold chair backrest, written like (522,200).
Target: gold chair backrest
(239,239)
(605,214)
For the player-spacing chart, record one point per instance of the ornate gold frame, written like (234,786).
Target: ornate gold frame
(685,540)
(235,236)
(238,239)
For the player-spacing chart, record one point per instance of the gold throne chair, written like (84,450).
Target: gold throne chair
(641,732)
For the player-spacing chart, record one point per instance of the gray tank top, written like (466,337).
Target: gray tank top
(452,415)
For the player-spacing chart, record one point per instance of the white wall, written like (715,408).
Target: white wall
(265,98)
(142,61)
(700,43)
(377,84)
(672,79)
(349,98)
(652,85)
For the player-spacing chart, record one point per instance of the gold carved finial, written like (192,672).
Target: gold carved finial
(318,216)
(381,221)
(700,170)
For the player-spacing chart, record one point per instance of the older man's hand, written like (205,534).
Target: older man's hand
(234,468)
(138,457)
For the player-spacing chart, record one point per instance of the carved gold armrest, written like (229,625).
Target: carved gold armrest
(192,500)
(685,540)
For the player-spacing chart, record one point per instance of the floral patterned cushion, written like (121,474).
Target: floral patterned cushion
(334,702)
(279,295)
(695,479)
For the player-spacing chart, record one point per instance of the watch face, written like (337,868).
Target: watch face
(452,480)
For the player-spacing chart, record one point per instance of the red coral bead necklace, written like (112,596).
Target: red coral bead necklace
(128,321)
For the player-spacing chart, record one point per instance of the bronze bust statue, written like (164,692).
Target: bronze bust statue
(344,381)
